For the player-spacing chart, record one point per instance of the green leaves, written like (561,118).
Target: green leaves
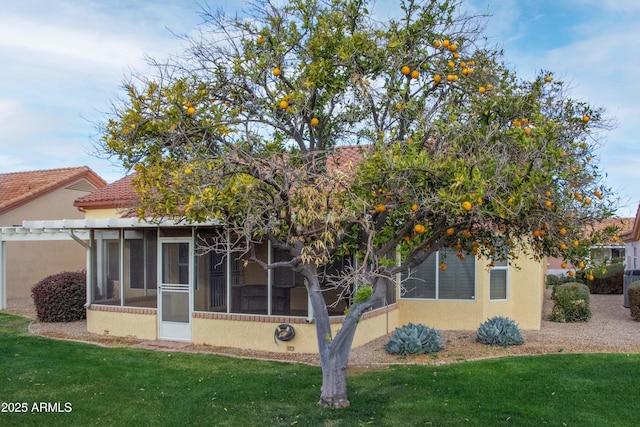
(476,149)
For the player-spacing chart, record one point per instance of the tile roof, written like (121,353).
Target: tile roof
(633,233)
(625,225)
(18,188)
(118,194)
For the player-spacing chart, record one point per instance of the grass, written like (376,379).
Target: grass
(122,386)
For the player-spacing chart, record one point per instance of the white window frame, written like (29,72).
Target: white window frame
(504,268)
(437,282)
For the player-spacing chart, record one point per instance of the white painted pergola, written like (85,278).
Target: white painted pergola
(65,229)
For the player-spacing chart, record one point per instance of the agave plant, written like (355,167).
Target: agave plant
(500,331)
(414,339)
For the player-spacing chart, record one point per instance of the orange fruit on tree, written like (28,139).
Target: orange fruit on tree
(315,121)
(615,238)
(453,47)
(585,118)
(283,104)
(548,79)
(405,70)
(437,78)
(436,44)
(536,233)
(415,74)
(563,246)
(191,111)
(419,228)
(548,203)
(443,266)
(450,231)
(445,43)
(587,201)
(276,71)
(563,231)
(414,207)
(451,64)
(399,106)
(261,39)
(482,89)
(381,208)
(571,273)
(590,277)
(581,265)
(188,171)
(563,265)
(576,243)
(466,206)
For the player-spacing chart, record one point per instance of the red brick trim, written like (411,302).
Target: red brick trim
(121,309)
(284,319)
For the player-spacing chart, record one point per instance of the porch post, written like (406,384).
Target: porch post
(3,273)
(89,270)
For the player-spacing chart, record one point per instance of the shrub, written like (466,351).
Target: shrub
(571,303)
(414,339)
(552,280)
(633,292)
(500,331)
(61,297)
(607,279)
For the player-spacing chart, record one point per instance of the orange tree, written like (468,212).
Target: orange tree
(248,127)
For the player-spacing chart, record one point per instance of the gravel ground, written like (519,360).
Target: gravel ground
(610,330)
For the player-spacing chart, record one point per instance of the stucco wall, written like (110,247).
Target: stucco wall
(238,331)
(30,261)
(123,322)
(523,304)
(102,213)
(254,332)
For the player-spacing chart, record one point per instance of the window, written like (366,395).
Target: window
(428,281)
(498,275)
(124,267)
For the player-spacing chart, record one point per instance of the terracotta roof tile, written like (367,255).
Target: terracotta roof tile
(625,225)
(115,195)
(18,188)
(120,194)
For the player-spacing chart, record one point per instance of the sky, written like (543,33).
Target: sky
(62,64)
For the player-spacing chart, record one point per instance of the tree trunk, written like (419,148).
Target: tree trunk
(334,351)
(334,380)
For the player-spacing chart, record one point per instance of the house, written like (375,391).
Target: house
(153,281)
(631,239)
(42,194)
(603,253)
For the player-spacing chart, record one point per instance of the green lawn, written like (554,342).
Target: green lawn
(118,386)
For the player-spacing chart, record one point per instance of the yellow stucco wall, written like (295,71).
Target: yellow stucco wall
(102,213)
(259,335)
(525,293)
(122,324)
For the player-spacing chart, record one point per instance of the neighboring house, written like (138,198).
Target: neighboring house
(603,253)
(152,281)
(631,241)
(42,194)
